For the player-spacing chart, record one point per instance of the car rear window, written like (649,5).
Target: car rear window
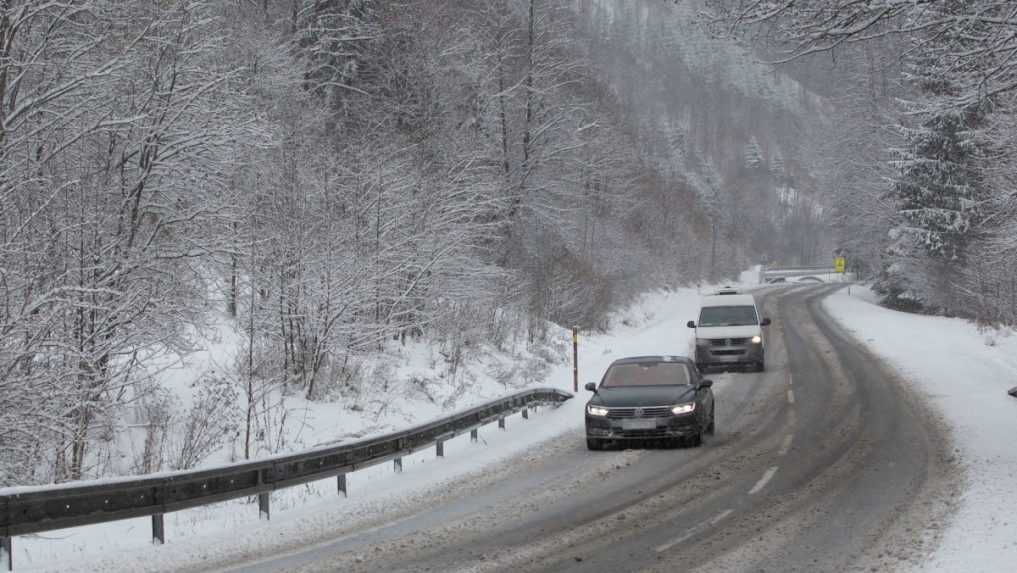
(646,374)
(728,316)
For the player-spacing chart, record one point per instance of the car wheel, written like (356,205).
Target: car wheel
(712,428)
(760,366)
(696,440)
(594,444)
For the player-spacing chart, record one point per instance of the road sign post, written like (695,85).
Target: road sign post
(575,358)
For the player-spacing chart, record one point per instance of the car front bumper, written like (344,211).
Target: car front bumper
(605,428)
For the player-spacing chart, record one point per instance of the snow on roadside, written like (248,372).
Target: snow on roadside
(965,371)
(653,324)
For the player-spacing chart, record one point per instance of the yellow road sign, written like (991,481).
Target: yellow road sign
(839,264)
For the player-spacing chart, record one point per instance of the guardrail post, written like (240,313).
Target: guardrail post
(501,423)
(526,414)
(158,529)
(397,464)
(341,479)
(7,553)
(474,435)
(439,447)
(264,505)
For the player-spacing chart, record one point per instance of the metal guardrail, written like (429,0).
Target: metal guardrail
(59,506)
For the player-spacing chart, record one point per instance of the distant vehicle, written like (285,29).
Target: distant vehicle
(727,290)
(729,332)
(776,280)
(650,398)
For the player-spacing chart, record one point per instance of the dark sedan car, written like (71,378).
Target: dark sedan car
(650,398)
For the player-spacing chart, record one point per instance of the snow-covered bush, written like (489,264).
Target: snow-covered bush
(213,420)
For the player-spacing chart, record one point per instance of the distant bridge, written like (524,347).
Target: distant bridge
(815,273)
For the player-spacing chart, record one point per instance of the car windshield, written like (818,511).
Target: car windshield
(728,316)
(646,374)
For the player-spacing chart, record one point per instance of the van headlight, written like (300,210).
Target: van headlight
(757,339)
(684,409)
(596,410)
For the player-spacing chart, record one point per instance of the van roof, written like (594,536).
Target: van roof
(728,300)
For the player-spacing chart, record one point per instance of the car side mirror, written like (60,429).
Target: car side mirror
(765,322)
(706,383)
(591,386)
(691,324)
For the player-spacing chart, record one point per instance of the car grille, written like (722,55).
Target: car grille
(649,412)
(729,341)
(728,352)
(657,433)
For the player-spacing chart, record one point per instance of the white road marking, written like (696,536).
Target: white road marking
(790,380)
(790,396)
(695,530)
(785,446)
(763,481)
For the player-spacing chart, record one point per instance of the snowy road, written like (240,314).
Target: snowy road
(823,463)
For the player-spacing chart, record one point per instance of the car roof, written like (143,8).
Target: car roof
(652,359)
(728,300)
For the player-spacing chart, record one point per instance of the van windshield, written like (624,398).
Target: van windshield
(728,316)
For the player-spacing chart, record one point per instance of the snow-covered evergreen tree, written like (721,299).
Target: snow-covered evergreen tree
(939,188)
(754,154)
(777,166)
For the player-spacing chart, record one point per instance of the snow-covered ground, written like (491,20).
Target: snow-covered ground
(400,384)
(653,324)
(965,371)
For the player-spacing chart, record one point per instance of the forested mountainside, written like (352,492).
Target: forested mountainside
(328,175)
(923,163)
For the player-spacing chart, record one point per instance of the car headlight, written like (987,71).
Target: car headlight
(684,409)
(596,410)
(757,339)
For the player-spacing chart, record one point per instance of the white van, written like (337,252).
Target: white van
(729,331)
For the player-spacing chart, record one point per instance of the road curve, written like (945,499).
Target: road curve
(826,462)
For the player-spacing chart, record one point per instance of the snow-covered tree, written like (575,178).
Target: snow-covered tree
(754,158)
(939,189)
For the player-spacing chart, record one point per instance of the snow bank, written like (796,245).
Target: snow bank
(752,276)
(966,372)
